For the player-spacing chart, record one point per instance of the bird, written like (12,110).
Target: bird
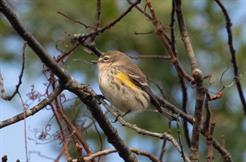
(124,84)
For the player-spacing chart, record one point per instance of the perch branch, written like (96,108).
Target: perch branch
(141,131)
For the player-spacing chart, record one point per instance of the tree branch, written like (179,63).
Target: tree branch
(181,79)
(141,131)
(70,84)
(185,36)
(109,151)
(159,30)
(84,93)
(33,110)
(3,93)
(32,42)
(233,54)
(141,10)
(198,76)
(82,37)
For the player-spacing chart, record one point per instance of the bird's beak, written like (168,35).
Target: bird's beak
(94,61)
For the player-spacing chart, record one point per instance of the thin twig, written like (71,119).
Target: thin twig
(109,151)
(141,10)
(97,24)
(75,21)
(233,54)
(184,108)
(38,153)
(143,33)
(73,130)
(180,142)
(3,93)
(171,25)
(87,39)
(63,138)
(66,54)
(100,139)
(83,37)
(25,132)
(60,154)
(32,41)
(163,150)
(185,36)
(54,107)
(92,48)
(79,153)
(181,79)
(150,57)
(98,15)
(32,110)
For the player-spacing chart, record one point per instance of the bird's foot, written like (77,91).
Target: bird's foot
(100,97)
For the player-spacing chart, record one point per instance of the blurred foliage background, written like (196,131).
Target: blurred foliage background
(206,26)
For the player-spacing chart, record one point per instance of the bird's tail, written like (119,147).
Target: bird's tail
(160,106)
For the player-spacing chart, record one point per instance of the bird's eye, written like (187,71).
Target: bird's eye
(106,58)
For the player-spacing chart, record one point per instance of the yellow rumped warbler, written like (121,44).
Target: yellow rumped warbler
(124,84)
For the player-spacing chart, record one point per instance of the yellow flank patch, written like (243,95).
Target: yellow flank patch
(124,78)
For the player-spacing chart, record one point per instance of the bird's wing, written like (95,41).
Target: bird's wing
(138,78)
(135,74)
